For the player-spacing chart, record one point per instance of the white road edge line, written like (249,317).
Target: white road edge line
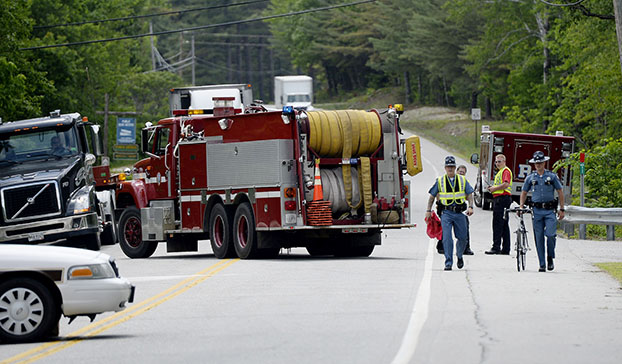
(419,313)
(422,304)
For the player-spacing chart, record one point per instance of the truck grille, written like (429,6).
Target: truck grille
(34,200)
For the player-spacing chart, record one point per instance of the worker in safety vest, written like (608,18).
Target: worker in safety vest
(544,183)
(453,192)
(502,199)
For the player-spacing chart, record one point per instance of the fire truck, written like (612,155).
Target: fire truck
(253,183)
(518,149)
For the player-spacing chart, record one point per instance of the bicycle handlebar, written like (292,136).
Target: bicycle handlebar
(516,210)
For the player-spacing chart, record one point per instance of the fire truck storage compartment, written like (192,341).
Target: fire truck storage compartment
(260,163)
(156,219)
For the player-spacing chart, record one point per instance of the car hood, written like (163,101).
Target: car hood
(32,171)
(41,257)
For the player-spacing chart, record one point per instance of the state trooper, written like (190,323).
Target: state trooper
(544,183)
(453,192)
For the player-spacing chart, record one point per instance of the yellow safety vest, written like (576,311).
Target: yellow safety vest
(499,180)
(457,195)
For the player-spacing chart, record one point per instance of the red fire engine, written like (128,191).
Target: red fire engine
(250,183)
(518,149)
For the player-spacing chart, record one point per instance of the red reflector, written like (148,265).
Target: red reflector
(180,112)
(290,205)
(405,202)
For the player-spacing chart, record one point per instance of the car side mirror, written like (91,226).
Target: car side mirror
(474,158)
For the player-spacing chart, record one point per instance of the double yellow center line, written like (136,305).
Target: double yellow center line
(95,328)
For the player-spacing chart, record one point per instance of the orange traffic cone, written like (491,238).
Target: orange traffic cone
(318,195)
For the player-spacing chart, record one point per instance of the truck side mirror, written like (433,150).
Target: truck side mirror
(145,136)
(474,158)
(96,141)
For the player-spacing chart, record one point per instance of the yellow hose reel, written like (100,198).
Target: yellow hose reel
(341,133)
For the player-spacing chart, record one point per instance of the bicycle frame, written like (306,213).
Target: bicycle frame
(522,243)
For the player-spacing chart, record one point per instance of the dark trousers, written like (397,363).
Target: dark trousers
(500,226)
(439,243)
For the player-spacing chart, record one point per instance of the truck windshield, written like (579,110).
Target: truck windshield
(298,98)
(38,145)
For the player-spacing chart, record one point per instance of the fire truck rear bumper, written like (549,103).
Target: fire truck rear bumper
(50,230)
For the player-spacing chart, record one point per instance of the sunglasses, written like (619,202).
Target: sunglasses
(498,161)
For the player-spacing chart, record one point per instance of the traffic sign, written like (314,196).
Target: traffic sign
(476,114)
(126,130)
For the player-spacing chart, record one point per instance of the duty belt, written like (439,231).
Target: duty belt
(549,205)
(455,208)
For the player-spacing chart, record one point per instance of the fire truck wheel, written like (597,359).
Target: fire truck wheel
(244,234)
(220,232)
(477,195)
(486,203)
(131,235)
(109,235)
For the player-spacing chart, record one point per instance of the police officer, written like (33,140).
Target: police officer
(453,191)
(502,199)
(544,183)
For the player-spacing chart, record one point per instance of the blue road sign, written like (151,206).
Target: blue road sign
(126,130)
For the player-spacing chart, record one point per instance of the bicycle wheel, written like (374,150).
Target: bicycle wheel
(524,249)
(519,252)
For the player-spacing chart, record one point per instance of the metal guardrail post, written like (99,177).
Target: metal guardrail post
(611,232)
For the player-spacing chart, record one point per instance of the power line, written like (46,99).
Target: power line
(199,27)
(562,5)
(148,15)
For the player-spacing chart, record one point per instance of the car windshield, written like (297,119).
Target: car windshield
(298,98)
(15,148)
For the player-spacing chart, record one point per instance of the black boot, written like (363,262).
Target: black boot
(550,265)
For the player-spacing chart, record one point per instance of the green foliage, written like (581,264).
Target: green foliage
(603,174)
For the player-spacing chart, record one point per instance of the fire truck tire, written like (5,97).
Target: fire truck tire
(131,236)
(220,232)
(244,233)
(477,195)
(109,235)
(486,203)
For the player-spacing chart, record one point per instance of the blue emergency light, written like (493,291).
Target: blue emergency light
(288,110)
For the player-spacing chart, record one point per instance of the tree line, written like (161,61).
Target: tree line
(544,67)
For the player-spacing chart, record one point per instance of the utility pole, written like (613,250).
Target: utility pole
(617,10)
(193,58)
(153,62)
(107,112)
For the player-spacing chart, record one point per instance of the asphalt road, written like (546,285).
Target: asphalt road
(398,306)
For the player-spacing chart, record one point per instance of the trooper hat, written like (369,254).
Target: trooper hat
(450,161)
(539,157)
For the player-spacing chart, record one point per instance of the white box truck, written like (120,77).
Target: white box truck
(296,91)
(201,97)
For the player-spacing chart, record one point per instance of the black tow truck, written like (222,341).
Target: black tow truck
(47,189)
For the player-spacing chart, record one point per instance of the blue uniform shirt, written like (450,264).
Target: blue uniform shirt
(467,189)
(543,187)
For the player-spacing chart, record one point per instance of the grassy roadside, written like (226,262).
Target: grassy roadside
(614,269)
(450,128)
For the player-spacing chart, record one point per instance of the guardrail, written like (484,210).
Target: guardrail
(594,216)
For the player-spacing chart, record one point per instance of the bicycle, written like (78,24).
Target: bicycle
(522,243)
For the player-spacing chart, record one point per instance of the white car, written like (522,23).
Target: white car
(39,283)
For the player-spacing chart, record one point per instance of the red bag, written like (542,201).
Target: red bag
(434,229)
